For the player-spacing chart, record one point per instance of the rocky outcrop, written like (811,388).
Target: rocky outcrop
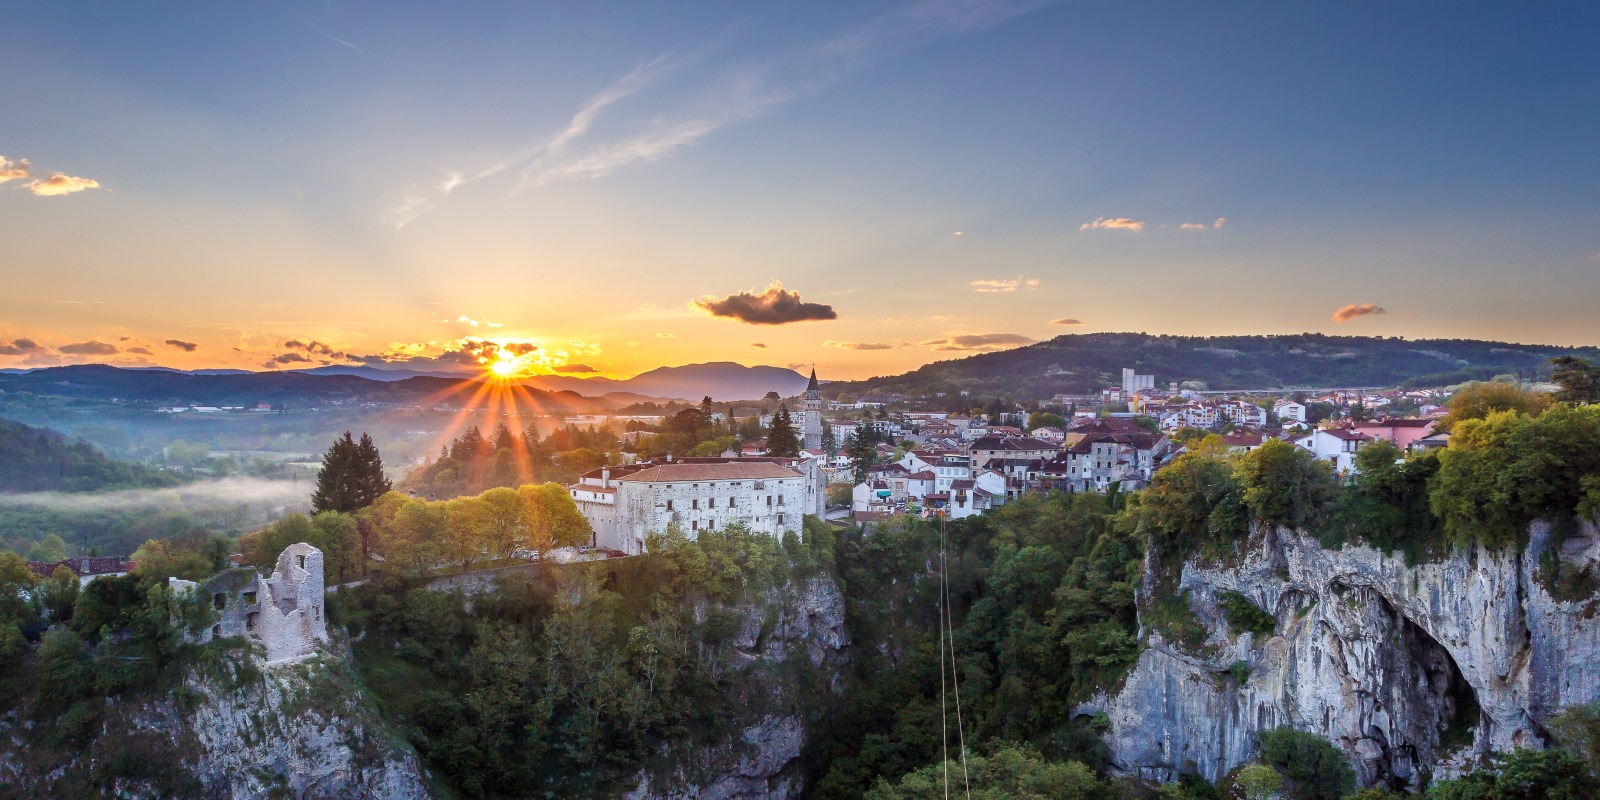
(302,731)
(1416,671)
(760,760)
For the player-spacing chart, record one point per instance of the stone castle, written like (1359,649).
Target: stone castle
(283,612)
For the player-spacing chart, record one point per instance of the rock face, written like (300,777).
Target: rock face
(1416,672)
(760,761)
(302,731)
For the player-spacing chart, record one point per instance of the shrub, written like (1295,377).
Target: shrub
(1244,615)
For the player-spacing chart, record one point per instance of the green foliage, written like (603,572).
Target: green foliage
(1387,505)
(782,438)
(1503,472)
(1009,773)
(1244,615)
(1315,768)
(1042,603)
(569,681)
(1479,400)
(1579,379)
(1194,503)
(1525,774)
(1259,781)
(351,476)
(473,463)
(1284,485)
(1577,731)
(1172,616)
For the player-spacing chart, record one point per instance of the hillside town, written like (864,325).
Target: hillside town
(881,456)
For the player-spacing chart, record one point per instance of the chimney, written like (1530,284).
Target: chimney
(669,458)
(605,477)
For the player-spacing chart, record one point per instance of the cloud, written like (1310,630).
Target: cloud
(978,342)
(144,351)
(571,368)
(1221,221)
(1352,311)
(289,358)
(319,349)
(1066,321)
(20,347)
(409,209)
(859,345)
(758,344)
(666,336)
(89,348)
(1004,284)
(1114,223)
(451,181)
(724,92)
(13,170)
(1192,226)
(58,184)
(187,347)
(775,306)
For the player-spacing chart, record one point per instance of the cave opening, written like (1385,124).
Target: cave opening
(1456,716)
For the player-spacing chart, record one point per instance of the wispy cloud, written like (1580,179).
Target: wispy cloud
(89,348)
(860,345)
(1066,321)
(1113,223)
(1352,311)
(1201,226)
(733,92)
(978,342)
(200,496)
(1004,284)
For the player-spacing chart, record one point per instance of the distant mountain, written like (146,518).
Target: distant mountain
(1082,363)
(380,374)
(722,380)
(35,459)
(164,387)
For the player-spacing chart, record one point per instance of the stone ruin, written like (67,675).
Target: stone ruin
(283,612)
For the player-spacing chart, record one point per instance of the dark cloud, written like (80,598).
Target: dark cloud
(758,344)
(319,349)
(290,358)
(1066,321)
(89,348)
(187,347)
(571,368)
(775,306)
(19,347)
(1353,311)
(978,342)
(143,351)
(859,345)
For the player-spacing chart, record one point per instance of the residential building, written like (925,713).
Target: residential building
(1336,446)
(987,448)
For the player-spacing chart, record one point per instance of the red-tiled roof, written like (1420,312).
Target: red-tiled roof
(725,471)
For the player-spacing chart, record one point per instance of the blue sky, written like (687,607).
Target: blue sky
(376,177)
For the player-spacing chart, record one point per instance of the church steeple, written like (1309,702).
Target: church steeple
(812,386)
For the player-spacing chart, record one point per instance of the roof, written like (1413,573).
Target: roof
(1346,434)
(1016,443)
(812,386)
(961,484)
(925,475)
(725,471)
(99,565)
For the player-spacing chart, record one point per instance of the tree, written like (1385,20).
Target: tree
(782,439)
(771,397)
(1579,380)
(1316,769)
(1259,781)
(351,477)
(1283,484)
(830,442)
(1479,400)
(1010,772)
(505,521)
(862,454)
(165,558)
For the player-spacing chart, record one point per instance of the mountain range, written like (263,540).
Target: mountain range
(721,380)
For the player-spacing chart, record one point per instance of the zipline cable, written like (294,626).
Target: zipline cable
(949,626)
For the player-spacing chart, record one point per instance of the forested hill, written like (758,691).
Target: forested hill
(1080,363)
(35,459)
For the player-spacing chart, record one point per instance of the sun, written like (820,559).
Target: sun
(504,368)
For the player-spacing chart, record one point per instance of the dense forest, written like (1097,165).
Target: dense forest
(39,460)
(473,462)
(1085,363)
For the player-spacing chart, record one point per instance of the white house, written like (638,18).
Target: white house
(1289,411)
(1337,446)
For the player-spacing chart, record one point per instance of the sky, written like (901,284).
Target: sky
(603,188)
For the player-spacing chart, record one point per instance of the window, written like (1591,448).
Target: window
(216,630)
(695,525)
(711,524)
(780,519)
(780,499)
(694,503)
(769,501)
(249,598)
(219,600)
(669,505)
(250,621)
(301,560)
(711,503)
(730,502)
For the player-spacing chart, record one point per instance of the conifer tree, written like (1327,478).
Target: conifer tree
(351,476)
(782,440)
(862,454)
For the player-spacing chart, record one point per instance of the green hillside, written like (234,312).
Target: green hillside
(1081,363)
(39,460)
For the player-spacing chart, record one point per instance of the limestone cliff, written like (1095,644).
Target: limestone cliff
(800,624)
(1415,671)
(232,730)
